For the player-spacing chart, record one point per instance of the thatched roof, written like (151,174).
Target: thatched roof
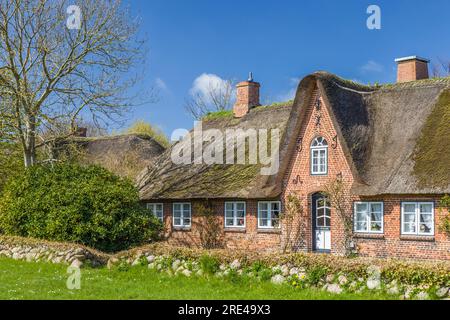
(125,155)
(386,132)
(167,180)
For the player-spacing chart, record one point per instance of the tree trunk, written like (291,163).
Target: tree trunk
(29,149)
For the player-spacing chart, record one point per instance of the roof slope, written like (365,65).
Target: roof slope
(125,155)
(383,129)
(381,126)
(172,181)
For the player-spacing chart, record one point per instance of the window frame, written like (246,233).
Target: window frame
(269,209)
(417,219)
(149,204)
(369,217)
(318,149)
(182,216)
(235,218)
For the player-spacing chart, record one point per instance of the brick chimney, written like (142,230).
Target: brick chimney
(247,97)
(411,68)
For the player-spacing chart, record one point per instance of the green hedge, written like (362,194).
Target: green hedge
(68,202)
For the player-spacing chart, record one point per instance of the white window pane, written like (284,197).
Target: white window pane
(228,206)
(361,207)
(376,216)
(186,221)
(361,226)
(177,221)
(241,206)
(361,216)
(229,222)
(263,206)
(426,208)
(409,227)
(376,226)
(409,218)
(375,207)
(425,228)
(409,207)
(263,222)
(240,222)
(177,206)
(426,218)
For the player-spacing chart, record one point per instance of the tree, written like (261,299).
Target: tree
(58,62)
(216,96)
(294,233)
(337,191)
(441,68)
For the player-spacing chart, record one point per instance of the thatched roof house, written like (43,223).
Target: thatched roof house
(393,135)
(375,157)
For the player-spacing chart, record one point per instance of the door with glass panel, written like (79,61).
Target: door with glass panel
(321,214)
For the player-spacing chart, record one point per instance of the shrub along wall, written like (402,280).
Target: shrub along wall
(407,279)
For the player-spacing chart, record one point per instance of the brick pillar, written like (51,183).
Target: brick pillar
(247,98)
(411,69)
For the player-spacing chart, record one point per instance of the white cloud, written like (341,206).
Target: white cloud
(205,83)
(160,84)
(372,66)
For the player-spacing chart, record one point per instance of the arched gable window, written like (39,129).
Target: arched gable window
(319,156)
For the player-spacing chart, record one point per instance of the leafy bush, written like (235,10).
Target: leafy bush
(209,264)
(86,205)
(445,204)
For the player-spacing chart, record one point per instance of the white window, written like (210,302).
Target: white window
(418,218)
(369,217)
(235,214)
(157,210)
(182,215)
(319,156)
(269,214)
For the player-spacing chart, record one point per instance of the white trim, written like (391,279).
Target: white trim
(234,214)
(323,147)
(182,216)
(369,217)
(412,58)
(269,211)
(162,210)
(417,218)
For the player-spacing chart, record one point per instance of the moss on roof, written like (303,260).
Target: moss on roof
(432,153)
(229,113)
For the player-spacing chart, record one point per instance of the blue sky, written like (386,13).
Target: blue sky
(280,42)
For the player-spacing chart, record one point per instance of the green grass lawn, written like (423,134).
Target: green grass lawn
(29,280)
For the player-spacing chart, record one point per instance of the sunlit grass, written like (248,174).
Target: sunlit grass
(28,280)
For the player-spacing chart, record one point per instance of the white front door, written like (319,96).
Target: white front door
(322,223)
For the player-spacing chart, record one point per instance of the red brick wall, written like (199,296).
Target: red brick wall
(412,70)
(249,238)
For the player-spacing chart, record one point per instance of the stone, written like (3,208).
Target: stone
(76,263)
(150,259)
(422,295)
(199,273)
(222,267)
(235,265)
(151,265)
(334,288)
(285,270)
(393,290)
(442,292)
(278,279)
(186,273)
(330,278)
(136,262)
(293,271)
(342,280)
(373,284)
(176,264)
